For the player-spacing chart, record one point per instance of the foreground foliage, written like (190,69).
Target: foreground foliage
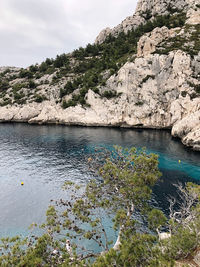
(118,197)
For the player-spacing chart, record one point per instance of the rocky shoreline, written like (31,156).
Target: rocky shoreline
(49,113)
(156,84)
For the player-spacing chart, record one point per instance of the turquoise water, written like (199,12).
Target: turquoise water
(43,157)
(190,169)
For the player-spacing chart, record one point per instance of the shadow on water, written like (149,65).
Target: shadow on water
(43,157)
(166,188)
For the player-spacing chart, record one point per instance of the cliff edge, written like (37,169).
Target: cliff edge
(143,73)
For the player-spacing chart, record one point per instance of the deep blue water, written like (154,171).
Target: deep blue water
(43,157)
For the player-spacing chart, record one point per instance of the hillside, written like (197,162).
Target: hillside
(145,73)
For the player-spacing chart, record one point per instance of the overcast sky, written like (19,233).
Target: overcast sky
(32,30)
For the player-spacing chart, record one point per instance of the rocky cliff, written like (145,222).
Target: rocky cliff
(148,10)
(143,73)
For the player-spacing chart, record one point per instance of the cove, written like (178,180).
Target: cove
(44,157)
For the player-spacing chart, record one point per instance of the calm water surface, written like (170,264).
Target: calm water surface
(43,157)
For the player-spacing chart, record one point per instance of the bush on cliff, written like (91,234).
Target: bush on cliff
(114,52)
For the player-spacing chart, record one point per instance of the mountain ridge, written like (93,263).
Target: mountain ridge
(148,10)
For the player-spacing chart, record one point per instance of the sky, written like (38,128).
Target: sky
(32,30)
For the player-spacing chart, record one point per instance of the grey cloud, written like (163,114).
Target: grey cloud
(31,30)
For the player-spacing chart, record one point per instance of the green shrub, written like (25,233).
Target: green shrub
(18,96)
(33,68)
(70,103)
(43,67)
(79,53)
(76,99)
(61,60)
(139,103)
(50,70)
(4,85)
(40,98)
(6,71)
(16,87)
(38,75)
(32,84)
(69,87)
(109,94)
(96,90)
(20,101)
(6,101)
(25,74)
(181,244)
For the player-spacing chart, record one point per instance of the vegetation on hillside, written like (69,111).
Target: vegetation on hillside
(121,191)
(85,68)
(188,42)
(95,59)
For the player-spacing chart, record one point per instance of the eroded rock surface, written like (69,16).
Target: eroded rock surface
(148,42)
(149,9)
(157,88)
(152,96)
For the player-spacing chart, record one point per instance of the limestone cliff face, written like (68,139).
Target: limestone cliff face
(131,22)
(155,94)
(158,87)
(147,10)
(160,7)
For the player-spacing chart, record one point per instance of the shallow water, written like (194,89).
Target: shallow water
(43,157)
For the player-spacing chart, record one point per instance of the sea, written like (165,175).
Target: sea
(43,157)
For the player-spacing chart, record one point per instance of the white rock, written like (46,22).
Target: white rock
(148,42)
(155,90)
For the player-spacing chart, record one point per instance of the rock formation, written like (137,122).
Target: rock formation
(148,10)
(158,87)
